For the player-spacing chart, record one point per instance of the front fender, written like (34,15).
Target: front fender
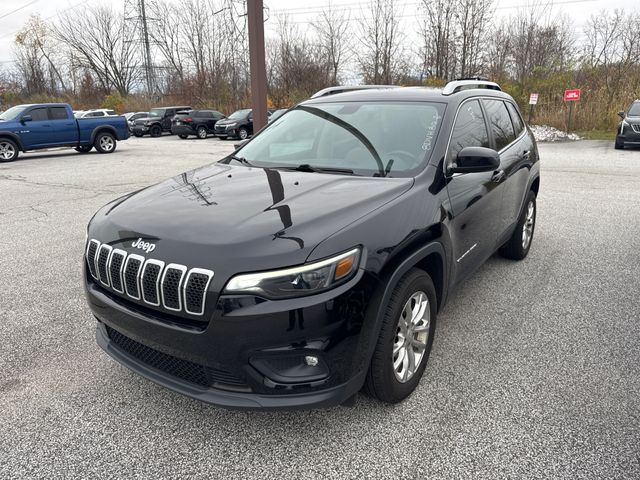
(13,136)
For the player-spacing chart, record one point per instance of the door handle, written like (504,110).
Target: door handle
(497,176)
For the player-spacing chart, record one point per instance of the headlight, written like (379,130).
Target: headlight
(298,281)
(232,125)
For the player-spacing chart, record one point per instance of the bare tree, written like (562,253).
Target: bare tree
(472,19)
(96,39)
(379,54)
(332,29)
(438,38)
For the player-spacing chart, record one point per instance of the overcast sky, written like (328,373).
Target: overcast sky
(13,13)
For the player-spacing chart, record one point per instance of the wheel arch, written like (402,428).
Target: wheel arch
(104,128)
(14,138)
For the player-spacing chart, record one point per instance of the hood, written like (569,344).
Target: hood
(632,119)
(226,121)
(143,120)
(243,218)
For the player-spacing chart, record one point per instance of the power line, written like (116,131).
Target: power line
(18,9)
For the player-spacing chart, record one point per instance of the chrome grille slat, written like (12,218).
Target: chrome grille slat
(172,286)
(194,290)
(132,269)
(150,280)
(102,263)
(116,266)
(92,251)
(635,127)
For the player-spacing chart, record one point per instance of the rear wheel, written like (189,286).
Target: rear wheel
(517,247)
(8,150)
(84,148)
(619,145)
(105,142)
(405,340)
(155,131)
(202,132)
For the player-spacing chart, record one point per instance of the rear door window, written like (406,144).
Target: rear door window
(470,130)
(518,124)
(59,113)
(500,122)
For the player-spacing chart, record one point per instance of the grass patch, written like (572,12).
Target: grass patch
(597,134)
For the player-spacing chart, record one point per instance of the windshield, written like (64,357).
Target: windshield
(372,138)
(634,110)
(156,112)
(238,114)
(13,112)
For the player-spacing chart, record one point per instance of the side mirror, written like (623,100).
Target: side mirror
(621,114)
(476,159)
(26,118)
(240,144)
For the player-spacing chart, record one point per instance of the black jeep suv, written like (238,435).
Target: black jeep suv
(158,121)
(313,261)
(629,128)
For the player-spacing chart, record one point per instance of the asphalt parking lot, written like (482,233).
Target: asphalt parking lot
(535,370)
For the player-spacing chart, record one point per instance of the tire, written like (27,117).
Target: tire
(8,150)
(155,131)
(384,379)
(84,148)
(619,145)
(222,137)
(183,137)
(139,135)
(105,142)
(243,133)
(517,247)
(202,132)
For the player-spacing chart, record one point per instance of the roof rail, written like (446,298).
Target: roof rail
(467,84)
(347,88)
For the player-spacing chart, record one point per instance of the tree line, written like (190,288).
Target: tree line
(200,51)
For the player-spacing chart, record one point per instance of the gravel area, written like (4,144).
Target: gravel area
(535,370)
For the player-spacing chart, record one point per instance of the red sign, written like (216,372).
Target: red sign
(572,95)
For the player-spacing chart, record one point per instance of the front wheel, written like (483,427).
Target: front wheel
(8,150)
(405,340)
(155,131)
(517,247)
(105,143)
(243,133)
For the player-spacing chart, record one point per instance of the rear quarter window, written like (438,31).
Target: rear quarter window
(500,123)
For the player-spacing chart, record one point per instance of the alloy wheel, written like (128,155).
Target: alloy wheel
(527,228)
(411,336)
(106,143)
(7,151)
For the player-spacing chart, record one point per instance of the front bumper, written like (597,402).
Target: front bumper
(140,129)
(629,136)
(240,359)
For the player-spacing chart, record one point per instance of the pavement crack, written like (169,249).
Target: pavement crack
(20,179)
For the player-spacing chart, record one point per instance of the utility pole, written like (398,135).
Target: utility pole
(257,64)
(148,67)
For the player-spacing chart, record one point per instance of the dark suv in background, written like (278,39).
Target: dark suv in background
(198,122)
(629,128)
(157,122)
(239,124)
(314,260)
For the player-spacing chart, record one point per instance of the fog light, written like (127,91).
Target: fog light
(311,360)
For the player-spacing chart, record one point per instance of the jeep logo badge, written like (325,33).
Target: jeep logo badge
(146,246)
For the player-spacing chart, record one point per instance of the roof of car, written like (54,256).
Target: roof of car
(410,94)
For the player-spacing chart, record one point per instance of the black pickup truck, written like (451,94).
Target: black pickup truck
(157,122)
(313,261)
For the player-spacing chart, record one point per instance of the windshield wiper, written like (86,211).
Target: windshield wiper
(242,160)
(305,167)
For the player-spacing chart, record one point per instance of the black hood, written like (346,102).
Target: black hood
(249,218)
